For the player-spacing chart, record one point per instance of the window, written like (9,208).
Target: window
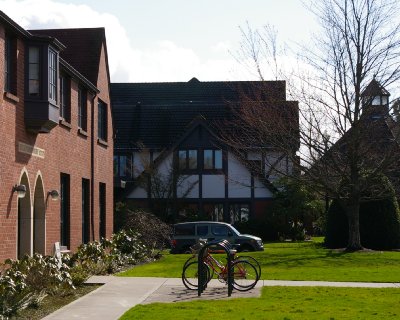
(220,231)
(239,213)
(123,166)
(65,98)
(212,159)
(102,210)
(85,211)
(82,109)
(102,121)
(52,75)
(34,71)
(184,230)
(202,231)
(214,211)
(64,209)
(9,65)
(187,159)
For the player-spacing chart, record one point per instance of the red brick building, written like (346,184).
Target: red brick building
(56,178)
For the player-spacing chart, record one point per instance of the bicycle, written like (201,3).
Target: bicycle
(245,274)
(195,248)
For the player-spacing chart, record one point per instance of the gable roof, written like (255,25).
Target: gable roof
(374,88)
(12,25)
(157,114)
(166,152)
(87,40)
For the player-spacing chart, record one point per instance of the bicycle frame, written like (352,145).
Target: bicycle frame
(220,269)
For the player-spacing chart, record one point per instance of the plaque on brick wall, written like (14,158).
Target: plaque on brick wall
(31,150)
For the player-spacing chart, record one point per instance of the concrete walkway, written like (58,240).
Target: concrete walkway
(119,294)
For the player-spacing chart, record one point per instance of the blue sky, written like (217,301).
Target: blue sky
(169,40)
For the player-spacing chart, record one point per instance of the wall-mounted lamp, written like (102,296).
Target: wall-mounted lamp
(20,189)
(54,194)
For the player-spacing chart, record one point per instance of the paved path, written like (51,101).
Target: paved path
(119,294)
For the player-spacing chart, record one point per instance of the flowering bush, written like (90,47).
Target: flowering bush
(27,281)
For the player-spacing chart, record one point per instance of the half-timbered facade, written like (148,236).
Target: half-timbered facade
(167,146)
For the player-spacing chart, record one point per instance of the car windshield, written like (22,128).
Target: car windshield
(235,230)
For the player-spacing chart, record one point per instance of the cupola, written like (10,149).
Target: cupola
(375,98)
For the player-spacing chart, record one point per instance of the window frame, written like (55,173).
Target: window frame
(85,210)
(128,164)
(102,123)
(9,73)
(82,108)
(65,97)
(34,74)
(213,167)
(236,210)
(102,210)
(52,75)
(186,159)
(65,209)
(214,211)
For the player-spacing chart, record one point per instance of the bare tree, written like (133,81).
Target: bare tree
(166,187)
(345,141)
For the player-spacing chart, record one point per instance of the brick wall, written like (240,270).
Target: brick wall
(66,151)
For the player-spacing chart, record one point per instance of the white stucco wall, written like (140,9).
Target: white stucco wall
(140,161)
(260,191)
(239,179)
(254,156)
(138,193)
(187,182)
(279,166)
(165,166)
(213,186)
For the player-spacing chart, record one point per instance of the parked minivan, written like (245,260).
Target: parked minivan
(187,234)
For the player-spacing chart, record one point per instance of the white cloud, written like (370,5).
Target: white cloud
(164,61)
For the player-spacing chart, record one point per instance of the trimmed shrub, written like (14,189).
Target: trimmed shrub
(379,224)
(337,227)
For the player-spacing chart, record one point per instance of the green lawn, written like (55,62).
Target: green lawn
(283,303)
(298,261)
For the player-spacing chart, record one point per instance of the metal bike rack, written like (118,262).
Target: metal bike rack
(202,271)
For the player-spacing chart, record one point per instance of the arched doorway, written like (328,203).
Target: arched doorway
(39,218)
(25,220)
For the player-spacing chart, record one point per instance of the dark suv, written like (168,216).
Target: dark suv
(188,233)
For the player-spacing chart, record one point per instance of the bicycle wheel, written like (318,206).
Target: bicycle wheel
(245,275)
(190,275)
(190,259)
(252,261)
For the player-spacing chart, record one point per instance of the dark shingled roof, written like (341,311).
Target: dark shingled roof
(157,114)
(374,88)
(87,40)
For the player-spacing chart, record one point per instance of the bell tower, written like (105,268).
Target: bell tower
(375,100)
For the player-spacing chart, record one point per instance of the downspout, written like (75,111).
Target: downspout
(92,168)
